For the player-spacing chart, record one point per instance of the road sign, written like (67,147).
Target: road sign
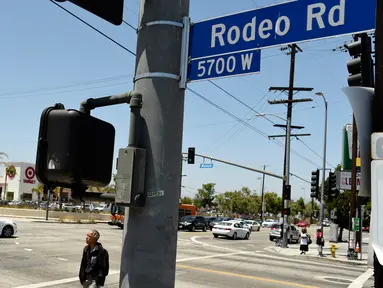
(355,224)
(344,179)
(278,24)
(206,165)
(225,65)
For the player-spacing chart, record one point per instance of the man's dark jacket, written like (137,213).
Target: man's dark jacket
(98,270)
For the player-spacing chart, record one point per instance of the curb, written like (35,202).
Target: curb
(50,220)
(275,250)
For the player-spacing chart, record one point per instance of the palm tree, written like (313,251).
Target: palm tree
(40,191)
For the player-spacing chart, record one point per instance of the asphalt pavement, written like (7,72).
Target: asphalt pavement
(48,255)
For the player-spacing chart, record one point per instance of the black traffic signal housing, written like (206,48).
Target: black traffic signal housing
(315,184)
(109,10)
(361,68)
(286,211)
(286,192)
(74,149)
(191,155)
(332,190)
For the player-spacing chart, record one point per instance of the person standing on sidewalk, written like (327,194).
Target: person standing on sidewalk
(95,262)
(320,242)
(304,241)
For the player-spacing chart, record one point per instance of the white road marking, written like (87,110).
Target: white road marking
(17,243)
(194,239)
(209,256)
(62,259)
(28,249)
(73,279)
(332,280)
(299,261)
(358,282)
(58,282)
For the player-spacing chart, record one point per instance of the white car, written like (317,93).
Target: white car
(231,229)
(8,228)
(268,223)
(255,226)
(244,224)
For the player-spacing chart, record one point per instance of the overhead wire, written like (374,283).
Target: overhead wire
(94,28)
(194,92)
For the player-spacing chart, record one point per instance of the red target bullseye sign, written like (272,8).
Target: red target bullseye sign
(30,174)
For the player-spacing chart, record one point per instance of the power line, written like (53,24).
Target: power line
(312,150)
(130,25)
(248,125)
(94,28)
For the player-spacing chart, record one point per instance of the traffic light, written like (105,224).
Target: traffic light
(70,151)
(361,68)
(332,184)
(315,184)
(286,211)
(109,10)
(191,155)
(287,192)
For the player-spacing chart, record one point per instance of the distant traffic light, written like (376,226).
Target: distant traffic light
(332,184)
(191,155)
(287,192)
(286,211)
(315,184)
(109,10)
(361,67)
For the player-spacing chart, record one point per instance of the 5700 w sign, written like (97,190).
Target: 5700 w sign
(224,66)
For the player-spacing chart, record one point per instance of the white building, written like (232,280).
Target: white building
(20,180)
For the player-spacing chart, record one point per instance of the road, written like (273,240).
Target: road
(48,255)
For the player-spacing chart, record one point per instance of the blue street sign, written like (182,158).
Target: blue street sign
(224,66)
(206,165)
(279,24)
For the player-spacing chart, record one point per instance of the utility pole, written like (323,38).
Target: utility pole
(286,171)
(149,249)
(263,191)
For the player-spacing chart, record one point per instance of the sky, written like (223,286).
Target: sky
(48,56)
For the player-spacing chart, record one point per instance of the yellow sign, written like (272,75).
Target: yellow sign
(357,162)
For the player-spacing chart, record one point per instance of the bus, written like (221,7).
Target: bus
(116,215)
(186,209)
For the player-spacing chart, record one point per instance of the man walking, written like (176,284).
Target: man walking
(95,262)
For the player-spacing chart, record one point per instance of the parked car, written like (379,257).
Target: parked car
(303,224)
(231,229)
(255,226)
(326,223)
(192,223)
(366,229)
(8,228)
(292,233)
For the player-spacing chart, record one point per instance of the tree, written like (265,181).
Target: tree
(309,209)
(239,202)
(186,200)
(40,191)
(273,202)
(205,195)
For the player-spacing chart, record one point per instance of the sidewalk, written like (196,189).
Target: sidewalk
(340,254)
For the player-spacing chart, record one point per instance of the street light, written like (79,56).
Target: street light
(320,94)
(263,115)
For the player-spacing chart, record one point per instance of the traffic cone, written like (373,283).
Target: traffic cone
(357,249)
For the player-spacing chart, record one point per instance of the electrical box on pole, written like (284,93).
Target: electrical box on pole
(361,67)
(191,155)
(315,184)
(109,10)
(130,178)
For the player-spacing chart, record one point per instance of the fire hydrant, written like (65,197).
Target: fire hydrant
(333,249)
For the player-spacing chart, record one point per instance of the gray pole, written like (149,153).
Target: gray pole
(263,190)
(150,247)
(288,140)
(324,165)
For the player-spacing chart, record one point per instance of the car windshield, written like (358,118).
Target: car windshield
(276,226)
(225,224)
(188,218)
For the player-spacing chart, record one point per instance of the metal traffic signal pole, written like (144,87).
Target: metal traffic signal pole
(150,244)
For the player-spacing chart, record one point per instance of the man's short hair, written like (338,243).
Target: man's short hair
(95,234)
